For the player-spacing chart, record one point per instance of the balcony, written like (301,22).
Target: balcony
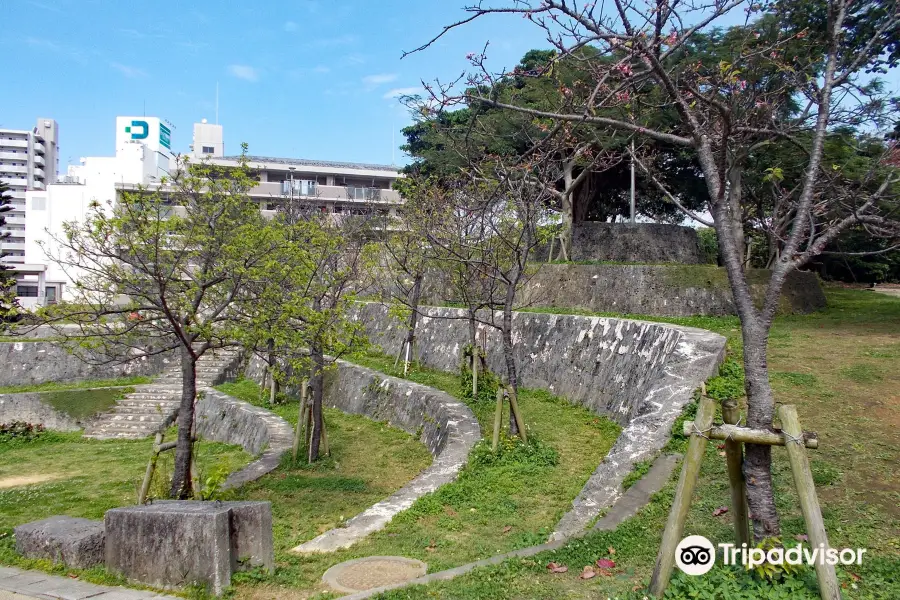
(17,156)
(15,182)
(38,148)
(12,246)
(16,143)
(13,169)
(39,161)
(39,185)
(39,172)
(329,193)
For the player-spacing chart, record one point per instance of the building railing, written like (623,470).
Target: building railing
(326,192)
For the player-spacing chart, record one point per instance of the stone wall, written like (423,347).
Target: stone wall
(445,425)
(31,363)
(639,374)
(671,290)
(638,243)
(29,408)
(221,418)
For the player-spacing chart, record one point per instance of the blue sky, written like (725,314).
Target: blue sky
(298,78)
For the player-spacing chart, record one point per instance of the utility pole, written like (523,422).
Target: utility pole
(632,181)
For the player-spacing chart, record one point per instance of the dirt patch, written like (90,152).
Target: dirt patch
(11,482)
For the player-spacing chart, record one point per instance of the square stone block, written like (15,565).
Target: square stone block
(77,543)
(171,544)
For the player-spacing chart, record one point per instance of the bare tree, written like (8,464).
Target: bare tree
(792,72)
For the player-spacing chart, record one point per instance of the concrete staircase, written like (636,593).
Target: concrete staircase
(140,413)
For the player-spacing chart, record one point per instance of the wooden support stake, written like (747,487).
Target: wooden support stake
(273,385)
(151,468)
(514,407)
(690,470)
(299,427)
(475,373)
(326,449)
(809,503)
(498,420)
(751,436)
(734,456)
(550,255)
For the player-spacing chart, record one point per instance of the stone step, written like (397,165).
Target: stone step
(148,395)
(109,433)
(150,409)
(148,418)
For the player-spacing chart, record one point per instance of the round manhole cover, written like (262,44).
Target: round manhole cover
(372,572)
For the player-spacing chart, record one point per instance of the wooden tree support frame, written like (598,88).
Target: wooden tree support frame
(701,430)
(160,446)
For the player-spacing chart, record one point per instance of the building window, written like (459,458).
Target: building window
(209,150)
(27,291)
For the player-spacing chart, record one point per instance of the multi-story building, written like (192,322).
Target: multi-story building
(29,160)
(143,158)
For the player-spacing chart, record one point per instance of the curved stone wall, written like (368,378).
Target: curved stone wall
(640,374)
(638,242)
(445,425)
(29,408)
(670,290)
(221,418)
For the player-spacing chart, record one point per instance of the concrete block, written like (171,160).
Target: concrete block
(77,543)
(171,544)
(251,536)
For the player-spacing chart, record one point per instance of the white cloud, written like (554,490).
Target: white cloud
(379,78)
(291,26)
(128,71)
(398,92)
(243,72)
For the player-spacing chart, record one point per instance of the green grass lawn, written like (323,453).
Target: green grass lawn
(75,385)
(839,367)
(494,506)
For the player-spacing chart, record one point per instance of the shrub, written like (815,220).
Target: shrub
(488,382)
(513,451)
(20,431)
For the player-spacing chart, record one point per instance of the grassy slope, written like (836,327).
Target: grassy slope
(839,368)
(490,509)
(75,385)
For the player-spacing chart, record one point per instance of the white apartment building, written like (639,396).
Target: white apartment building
(29,160)
(143,157)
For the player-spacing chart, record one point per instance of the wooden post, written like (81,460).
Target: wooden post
(550,255)
(475,372)
(273,385)
(687,482)
(809,503)
(514,407)
(498,419)
(299,427)
(734,456)
(151,468)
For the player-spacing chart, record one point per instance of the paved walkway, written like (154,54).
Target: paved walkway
(16,584)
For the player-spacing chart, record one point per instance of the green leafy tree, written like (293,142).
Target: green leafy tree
(164,271)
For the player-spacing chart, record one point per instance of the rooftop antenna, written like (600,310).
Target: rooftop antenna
(217,103)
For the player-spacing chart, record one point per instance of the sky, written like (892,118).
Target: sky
(314,79)
(310,79)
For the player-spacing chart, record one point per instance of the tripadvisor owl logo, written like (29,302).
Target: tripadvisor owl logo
(695,555)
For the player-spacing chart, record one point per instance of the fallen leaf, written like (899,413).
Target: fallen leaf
(611,550)
(507,529)
(721,454)
(431,547)
(801,537)
(557,568)
(450,512)
(854,576)
(636,588)
(605,563)
(72,575)
(720,511)
(720,447)
(588,573)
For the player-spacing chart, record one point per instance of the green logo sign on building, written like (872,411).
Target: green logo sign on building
(139,130)
(165,136)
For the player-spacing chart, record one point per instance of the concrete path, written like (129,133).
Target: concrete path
(16,584)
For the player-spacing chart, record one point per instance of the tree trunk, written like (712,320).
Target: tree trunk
(510,360)
(414,313)
(316,381)
(735,212)
(755,331)
(473,327)
(270,362)
(760,412)
(568,212)
(181,476)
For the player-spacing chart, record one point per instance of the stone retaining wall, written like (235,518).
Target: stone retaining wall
(640,374)
(31,363)
(221,418)
(670,290)
(29,408)
(639,242)
(444,424)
